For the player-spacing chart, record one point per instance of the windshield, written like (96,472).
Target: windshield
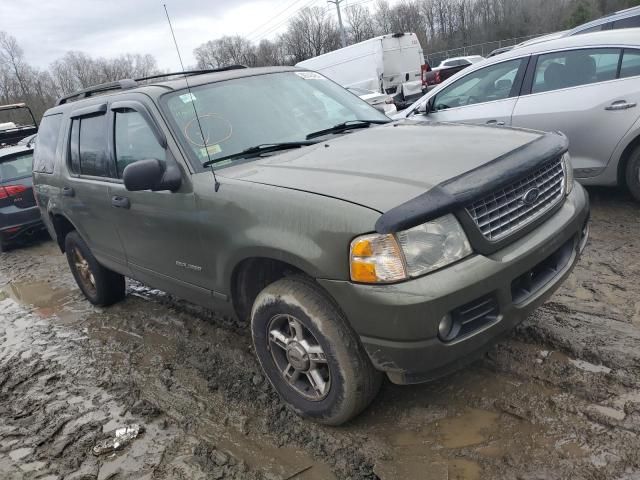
(264,109)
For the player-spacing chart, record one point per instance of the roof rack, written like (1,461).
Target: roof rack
(128,83)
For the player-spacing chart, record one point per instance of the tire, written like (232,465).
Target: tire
(632,174)
(101,286)
(350,381)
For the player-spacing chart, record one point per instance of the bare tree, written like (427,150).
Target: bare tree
(224,51)
(361,24)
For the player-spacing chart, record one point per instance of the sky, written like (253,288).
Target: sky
(46,29)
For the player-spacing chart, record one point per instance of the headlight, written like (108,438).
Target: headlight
(568,172)
(390,258)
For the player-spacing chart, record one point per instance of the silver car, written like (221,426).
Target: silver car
(586,86)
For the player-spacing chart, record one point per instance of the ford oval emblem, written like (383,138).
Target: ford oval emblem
(530,196)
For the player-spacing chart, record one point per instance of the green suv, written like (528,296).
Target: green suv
(355,246)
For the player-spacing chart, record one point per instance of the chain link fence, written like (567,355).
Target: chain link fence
(483,49)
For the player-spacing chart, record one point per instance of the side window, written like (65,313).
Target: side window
(134,140)
(74,146)
(87,146)
(575,67)
(630,66)
(484,85)
(47,140)
(629,22)
(597,28)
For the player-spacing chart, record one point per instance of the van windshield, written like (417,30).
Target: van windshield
(274,108)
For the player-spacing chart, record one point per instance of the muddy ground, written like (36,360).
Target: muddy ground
(560,399)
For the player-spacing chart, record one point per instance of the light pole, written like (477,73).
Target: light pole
(343,37)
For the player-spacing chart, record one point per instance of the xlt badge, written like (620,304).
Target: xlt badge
(188,266)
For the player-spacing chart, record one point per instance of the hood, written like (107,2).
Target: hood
(385,166)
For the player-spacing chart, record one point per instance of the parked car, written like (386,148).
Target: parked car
(586,86)
(380,101)
(342,237)
(391,64)
(629,18)
(19,214)
(449,67)
(10,131)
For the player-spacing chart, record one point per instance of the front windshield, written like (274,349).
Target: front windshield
(244,112)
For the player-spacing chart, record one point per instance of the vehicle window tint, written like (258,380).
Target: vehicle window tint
(630,66)
(629,22)
(134,140)
(16,167)
(575,67)
(74,141)
(484,85)
(93,156)
(597,28)
(46,142)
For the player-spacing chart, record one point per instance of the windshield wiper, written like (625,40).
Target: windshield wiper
(348,125)
(259,150)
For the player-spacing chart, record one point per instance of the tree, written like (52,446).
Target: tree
(361,24)
(225,51)
(310,33)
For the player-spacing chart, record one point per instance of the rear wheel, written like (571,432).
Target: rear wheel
(100,285)
(632,174)
(311,356)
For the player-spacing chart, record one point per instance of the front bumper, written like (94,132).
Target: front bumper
(398,324)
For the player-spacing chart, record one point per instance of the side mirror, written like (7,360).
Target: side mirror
(151,174)
(423,108)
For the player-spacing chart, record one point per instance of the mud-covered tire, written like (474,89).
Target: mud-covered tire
(101,286)
(632,174)
(353,380)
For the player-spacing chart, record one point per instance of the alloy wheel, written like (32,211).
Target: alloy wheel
(84,271)
(299,357)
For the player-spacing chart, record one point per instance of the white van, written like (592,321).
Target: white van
(391,64)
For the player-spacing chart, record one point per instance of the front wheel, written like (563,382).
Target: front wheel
(310,354)
(100,285)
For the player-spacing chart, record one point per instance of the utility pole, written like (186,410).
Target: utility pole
(343,36)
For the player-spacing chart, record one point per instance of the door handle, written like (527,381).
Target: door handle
(120,202)
(68,192)
(495,122)
(620,105)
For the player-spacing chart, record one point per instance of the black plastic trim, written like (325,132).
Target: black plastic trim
(98,109)
(452,195)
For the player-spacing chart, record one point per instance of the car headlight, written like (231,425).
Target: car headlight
(568,172)
(387,258)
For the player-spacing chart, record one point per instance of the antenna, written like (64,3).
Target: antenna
(193,103)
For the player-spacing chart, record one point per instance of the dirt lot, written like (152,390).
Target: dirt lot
(560,399)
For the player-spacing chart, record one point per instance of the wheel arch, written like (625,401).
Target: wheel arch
(624,159)
(62,226)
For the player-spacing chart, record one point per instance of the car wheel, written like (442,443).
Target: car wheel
(100,285)
(310,354)
(632,174)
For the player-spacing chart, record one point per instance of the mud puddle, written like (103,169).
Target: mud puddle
(560,399)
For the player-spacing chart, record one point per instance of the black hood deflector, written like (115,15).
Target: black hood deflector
(459,191)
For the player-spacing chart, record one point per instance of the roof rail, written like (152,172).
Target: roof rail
(191,72)
(123,84)
(128,83)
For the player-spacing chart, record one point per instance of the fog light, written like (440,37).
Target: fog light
(445,328)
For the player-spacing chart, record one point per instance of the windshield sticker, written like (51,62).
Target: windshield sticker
(187,97)
(210,150)
(310,76)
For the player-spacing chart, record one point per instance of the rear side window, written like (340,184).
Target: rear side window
(630,22)
(46,142)
(630,66)
(575,67)
(88,155)
(134,140)
(16,167)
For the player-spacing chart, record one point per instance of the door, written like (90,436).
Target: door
(85,190)
(484,96)
(159,230)
(587,94)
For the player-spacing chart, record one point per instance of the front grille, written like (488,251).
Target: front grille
(504,211)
